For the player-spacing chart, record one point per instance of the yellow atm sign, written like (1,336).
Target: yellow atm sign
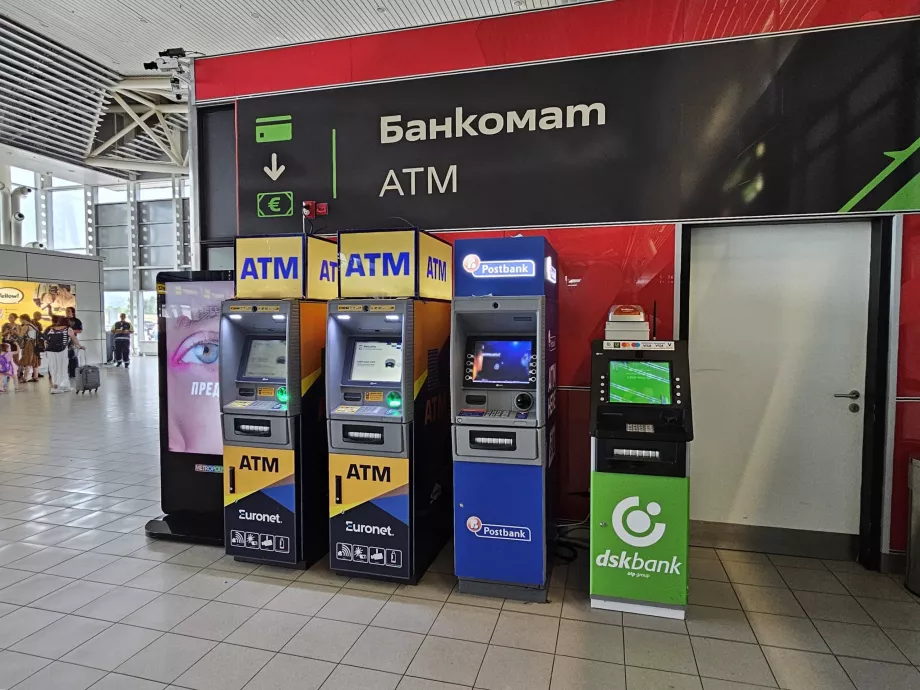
(394,263)
(270,267)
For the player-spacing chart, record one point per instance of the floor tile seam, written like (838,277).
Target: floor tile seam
(88,639)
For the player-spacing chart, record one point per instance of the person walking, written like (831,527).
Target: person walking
(9,334)
(10,328)
(37,322)
(122,331)
(57,339)
(29,358)
(7,368)
(77,327)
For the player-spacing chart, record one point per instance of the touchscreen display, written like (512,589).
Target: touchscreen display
(502,361)
(642,383)
(267,359)
(377,360)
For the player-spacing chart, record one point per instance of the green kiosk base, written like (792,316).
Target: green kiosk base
(640,493)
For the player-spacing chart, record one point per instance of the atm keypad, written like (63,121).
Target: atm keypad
(498,413)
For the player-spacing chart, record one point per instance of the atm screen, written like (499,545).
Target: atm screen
(377,361)
(502,361)
(266,359)
(640,383)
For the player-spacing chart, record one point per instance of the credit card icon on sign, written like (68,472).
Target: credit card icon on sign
(274,128)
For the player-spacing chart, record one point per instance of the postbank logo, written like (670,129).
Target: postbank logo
(506,532)
(270,267)
(508,268)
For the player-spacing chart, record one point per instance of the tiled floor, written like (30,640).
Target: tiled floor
(86,601)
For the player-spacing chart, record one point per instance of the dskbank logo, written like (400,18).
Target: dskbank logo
(633,528)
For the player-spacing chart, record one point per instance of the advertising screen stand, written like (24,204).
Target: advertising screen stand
(388,403)
(191,442)
(641,422)
(503,390)
(271,394)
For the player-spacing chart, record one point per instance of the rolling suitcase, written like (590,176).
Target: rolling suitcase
(88,378)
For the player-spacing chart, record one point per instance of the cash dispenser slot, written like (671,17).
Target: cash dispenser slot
(640,457)
(363,433)
(500,441)
(252,427)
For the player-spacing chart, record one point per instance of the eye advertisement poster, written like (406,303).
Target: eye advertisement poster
(191,313)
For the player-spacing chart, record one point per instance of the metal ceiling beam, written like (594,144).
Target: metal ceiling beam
(137,165)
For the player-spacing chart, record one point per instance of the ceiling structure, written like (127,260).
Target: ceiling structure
(69,68)
(121,35)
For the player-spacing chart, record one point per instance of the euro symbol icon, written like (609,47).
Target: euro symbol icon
(275,204)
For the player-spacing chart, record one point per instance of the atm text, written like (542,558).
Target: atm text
(274,267)
(391,129)
(437,269)
(366,264)
(259,463)
(327,270)
(377,474)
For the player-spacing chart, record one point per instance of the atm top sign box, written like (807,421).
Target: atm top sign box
(394,263)
(286,267)
(505,266)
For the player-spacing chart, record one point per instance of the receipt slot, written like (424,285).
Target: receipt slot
(503,391)
(388,401)
(272,393)
(641,423)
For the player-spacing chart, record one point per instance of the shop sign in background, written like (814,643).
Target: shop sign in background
(25,297)
(640,551)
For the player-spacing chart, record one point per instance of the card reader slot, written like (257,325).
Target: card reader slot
(363,433)
(252,427)
(493,440)
(352,397)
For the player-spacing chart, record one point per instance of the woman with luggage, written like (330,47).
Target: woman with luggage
(57,338)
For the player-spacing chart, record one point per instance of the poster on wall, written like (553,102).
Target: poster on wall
(191,315)
(26,297)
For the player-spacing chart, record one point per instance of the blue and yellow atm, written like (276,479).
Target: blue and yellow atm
(504,337)
(272,391)
(387,393)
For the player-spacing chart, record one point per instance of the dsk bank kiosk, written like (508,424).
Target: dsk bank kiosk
(641,422)
(503,391)
(271,393)
(387,396)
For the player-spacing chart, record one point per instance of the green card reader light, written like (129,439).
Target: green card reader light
(282,394)
(394,400)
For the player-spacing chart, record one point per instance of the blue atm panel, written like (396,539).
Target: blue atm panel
(500,532)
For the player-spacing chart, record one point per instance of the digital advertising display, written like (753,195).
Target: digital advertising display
(640,383)
(191,319)
(266,360)
(502,361)
(25,297)
(377,361)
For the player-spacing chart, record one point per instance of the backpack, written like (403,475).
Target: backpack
(6,366)
(56,341)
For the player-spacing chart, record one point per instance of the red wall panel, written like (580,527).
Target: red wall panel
(565,32)
(907,443)
(907,421)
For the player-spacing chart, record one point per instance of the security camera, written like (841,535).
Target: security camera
(35,245)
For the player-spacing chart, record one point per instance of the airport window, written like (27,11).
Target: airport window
(115,304)
(68,220)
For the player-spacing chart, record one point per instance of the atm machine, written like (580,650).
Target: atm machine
(504,333)
(387,399)
(641,423)
(272,397)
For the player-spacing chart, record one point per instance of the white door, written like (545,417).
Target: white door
(778,318)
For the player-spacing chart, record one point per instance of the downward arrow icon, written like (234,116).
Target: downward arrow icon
(275,171)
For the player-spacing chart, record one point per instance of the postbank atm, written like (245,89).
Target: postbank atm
(388,401)
(504,336)
(641,423)
(272,399)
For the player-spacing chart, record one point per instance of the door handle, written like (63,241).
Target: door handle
(852,395)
